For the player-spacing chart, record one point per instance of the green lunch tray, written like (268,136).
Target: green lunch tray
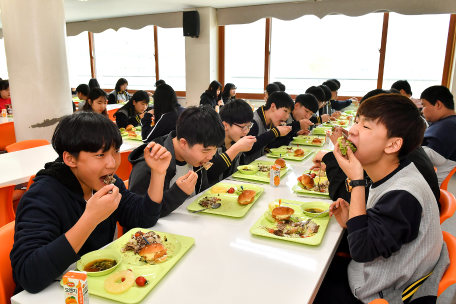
(260,176)
(230,206)
(320,130)
(299,190)
(177,246)
(290,155)
(306,140)
(311,240)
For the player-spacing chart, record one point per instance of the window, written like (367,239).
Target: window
(171,57)
(415,50)
(3,68)
(79,59)
(308,51)
(244,56)
(126,54)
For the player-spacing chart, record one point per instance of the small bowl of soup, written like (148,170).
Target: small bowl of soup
(99,262)
(313,208)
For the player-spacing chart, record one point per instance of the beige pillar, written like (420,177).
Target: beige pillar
(35,47)
(201,56)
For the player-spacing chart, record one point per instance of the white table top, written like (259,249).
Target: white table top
(113,106)
(17,167)
(227,264)
(6,119)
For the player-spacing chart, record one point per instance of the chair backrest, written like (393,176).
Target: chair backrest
(7,284)
(8,136)
(449,278)
(126,183)
(6,205)
(379,301)
(125,167)
(447,205)
(444,184)
(119,230)
(30,182)
(111,114)
(26,144)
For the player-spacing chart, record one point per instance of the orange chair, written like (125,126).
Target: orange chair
(7,284)
(17,194)
(125,166)
(111,114)
(8,136)
(447,205)
(444,184)
(379,301)
(126,183)
(119,231)
(30,182)
(449,278)
(6,205)
(26,144)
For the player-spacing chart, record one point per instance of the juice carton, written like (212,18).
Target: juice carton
(75,287)
(274,180)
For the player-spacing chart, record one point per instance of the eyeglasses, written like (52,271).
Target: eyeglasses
(245,128)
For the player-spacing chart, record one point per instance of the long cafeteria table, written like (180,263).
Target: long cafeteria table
(17,167)
(227,264)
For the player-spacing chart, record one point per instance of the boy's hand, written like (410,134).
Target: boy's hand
(336,114)
(351,166)
(336,134)
(245,143)
(319,157)
(187,182)
(284,130)
(305,124)
(220,102)
(340,209)
(303,132)
(102,204)
(324,118)
(157,157)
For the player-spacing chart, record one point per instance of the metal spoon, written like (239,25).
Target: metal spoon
(308,221)
(214,206)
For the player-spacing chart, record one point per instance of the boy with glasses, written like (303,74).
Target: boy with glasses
(237,117)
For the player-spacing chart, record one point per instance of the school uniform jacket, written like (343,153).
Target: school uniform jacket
(139,180)
(264,135)
(222,165)
(123,120)
(338,105)
(207,99)
(52,206)
(163,126)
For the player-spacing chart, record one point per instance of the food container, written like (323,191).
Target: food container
(274,180)
(9,109)
(75,287)
(217,109)
(4,113)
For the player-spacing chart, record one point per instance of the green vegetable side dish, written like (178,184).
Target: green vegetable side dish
(343,144)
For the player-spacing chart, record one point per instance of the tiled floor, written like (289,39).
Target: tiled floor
(448,296)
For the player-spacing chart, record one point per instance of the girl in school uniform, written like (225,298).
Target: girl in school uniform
(166,111)
(96,102)
(229,93)
(133,111)
(120,93)
(212,95)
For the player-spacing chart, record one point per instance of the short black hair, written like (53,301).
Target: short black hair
(317,92)
(93,83)
(83,89)
(159,82)
(201,125)
(399,115)
(85,131)
(331,85)
(375,93)
(402,85)
(281,100)
(327,91)
(236,111)
(119,83)
(271,88)
(309,101)
(4,84)
(280,85)
(336,81)
(439,92)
